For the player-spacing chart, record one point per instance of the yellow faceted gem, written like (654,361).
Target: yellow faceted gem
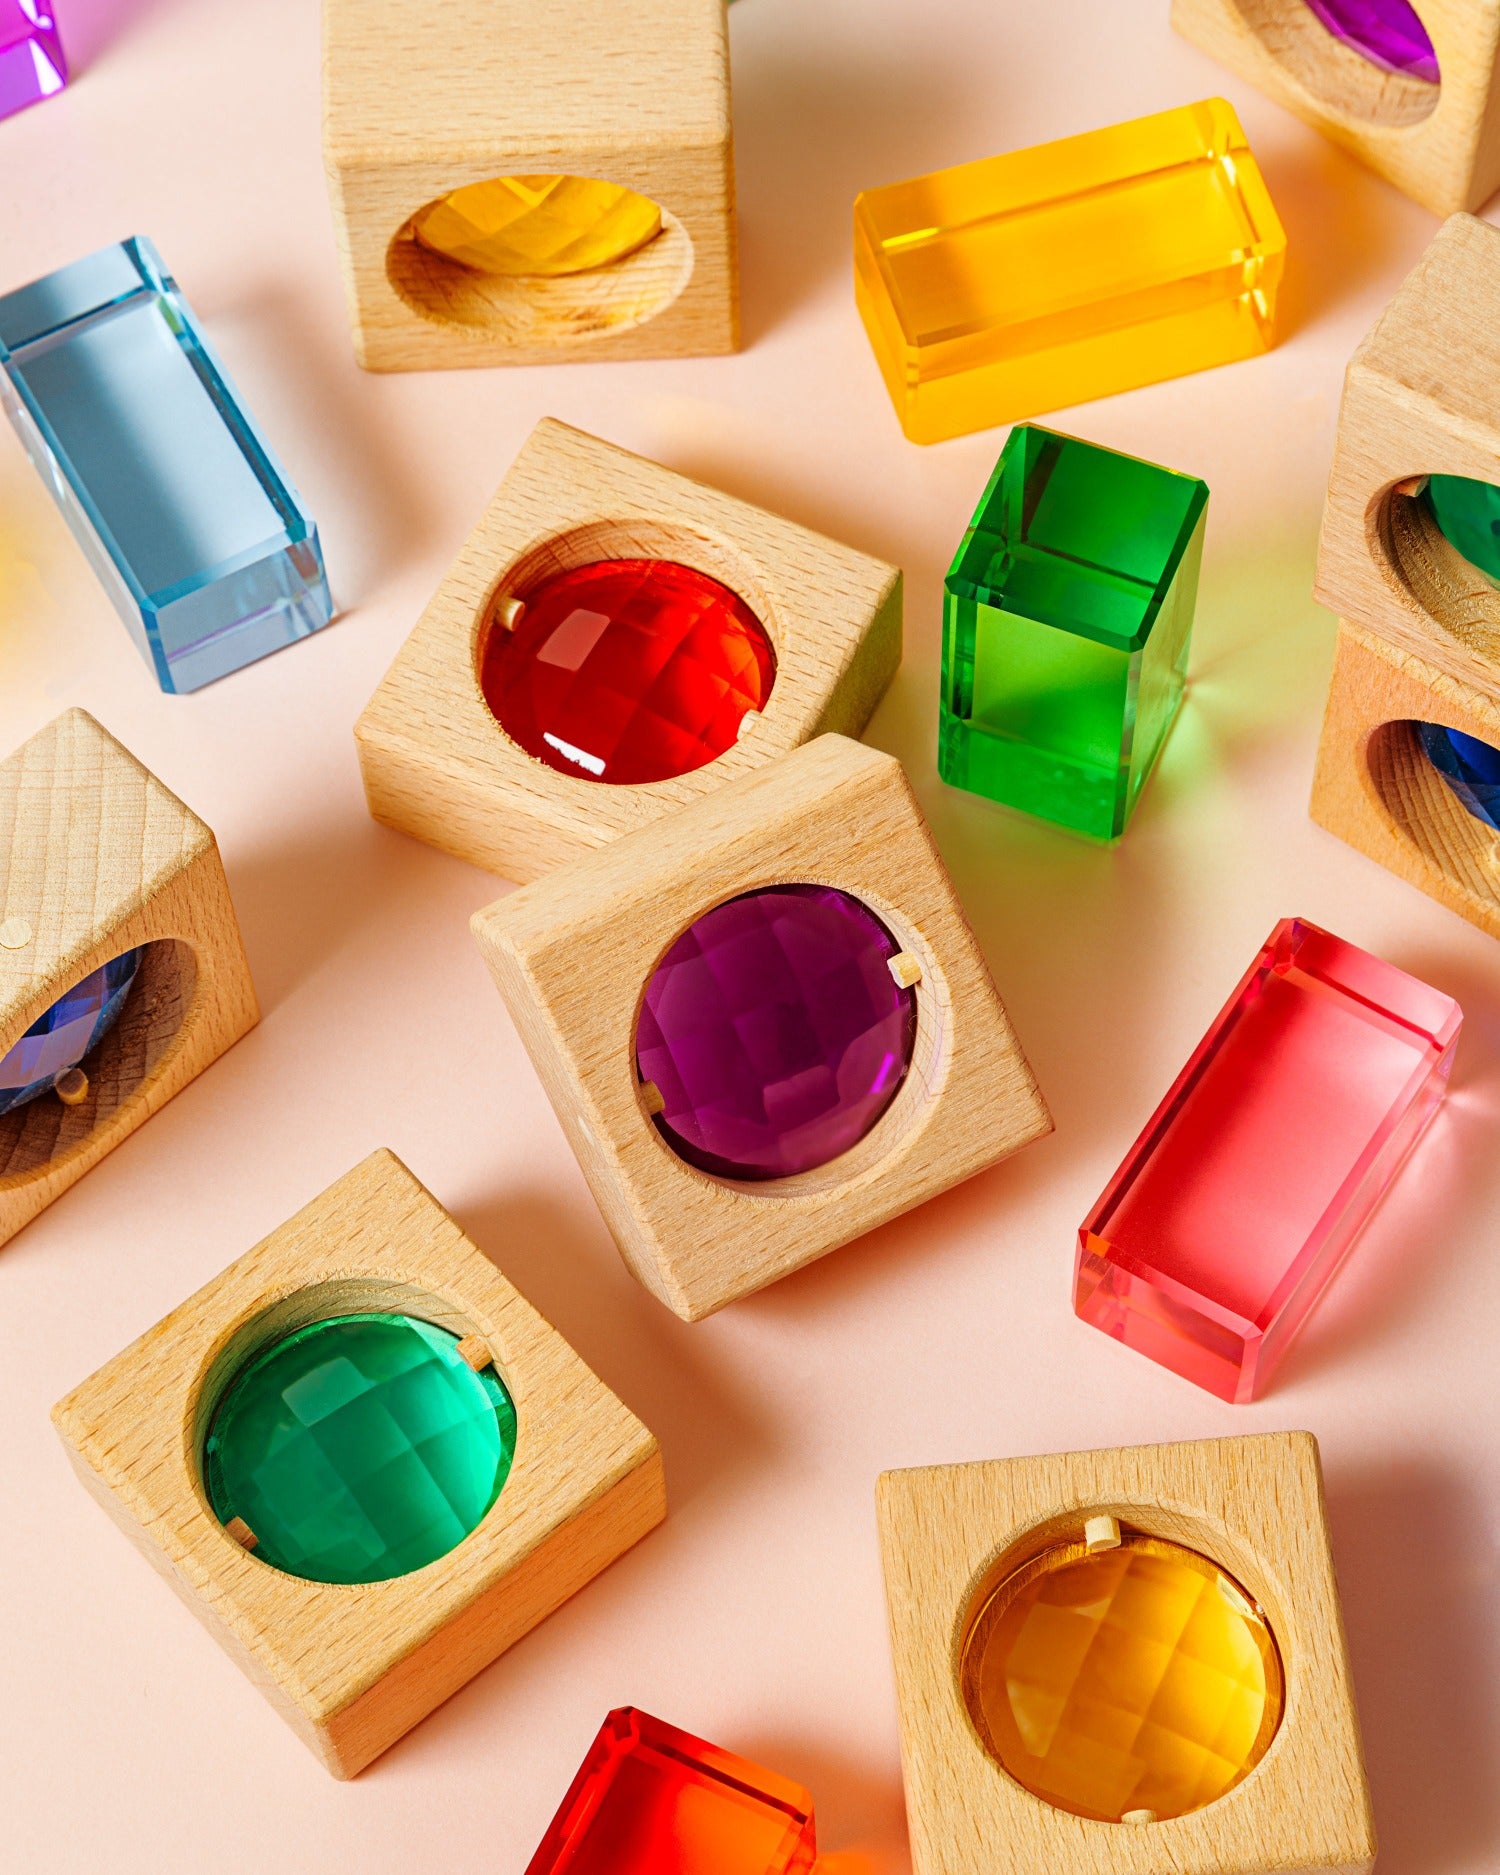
(548,225)
(1024,283)
(1137,1679)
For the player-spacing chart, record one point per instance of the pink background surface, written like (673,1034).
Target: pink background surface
(755,1616)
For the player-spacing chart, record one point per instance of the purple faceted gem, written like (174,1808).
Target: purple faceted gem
(32,65)
(1386,32)
(63,1035)
(775,1032)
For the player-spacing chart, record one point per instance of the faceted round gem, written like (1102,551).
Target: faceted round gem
(1136,1678)
(628,671)
(1386,32)
(359,1448)
(1470,767)
(774,1032)
(1468,515)
(62,1036)
(546,225)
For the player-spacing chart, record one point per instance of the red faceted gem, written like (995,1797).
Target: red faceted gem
(628,671)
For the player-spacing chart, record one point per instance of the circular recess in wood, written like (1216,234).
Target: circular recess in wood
(39,1138)
(560,304)
(1431,816)
(1403,532)
(1315,46)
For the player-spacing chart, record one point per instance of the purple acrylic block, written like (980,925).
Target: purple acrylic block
(32,65)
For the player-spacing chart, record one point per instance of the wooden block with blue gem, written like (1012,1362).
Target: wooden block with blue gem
(531,181)
(122,974)
(1124,1662)
(364,1461)
(1408,86)
(1409,762)
(613,643)
(764,1023)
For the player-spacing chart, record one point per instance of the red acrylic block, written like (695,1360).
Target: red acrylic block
(1241,1198)
(650,1800)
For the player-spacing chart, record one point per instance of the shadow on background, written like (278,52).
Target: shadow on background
(861,1816)
(91,27)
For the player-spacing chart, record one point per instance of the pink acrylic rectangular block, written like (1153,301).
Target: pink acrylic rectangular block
(32,65)
(1242,1196)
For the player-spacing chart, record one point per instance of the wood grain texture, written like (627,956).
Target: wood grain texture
(1421,397)
(1438,145)
(572,953)
(438,766)
(951,1533)
(1376,789)
(96,858)
(415,106)
(353,1668)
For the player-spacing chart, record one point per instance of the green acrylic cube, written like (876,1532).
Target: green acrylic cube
(1066,620)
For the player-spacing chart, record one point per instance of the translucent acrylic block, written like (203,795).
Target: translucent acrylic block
(32,65)
(650,1800)
(168,485)
(1237,1204)
(1067,614)
(1049,276)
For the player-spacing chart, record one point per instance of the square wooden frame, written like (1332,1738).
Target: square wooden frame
(1446,156)
(413,108)
(96,858)
(438,766)
(950,1533)
(572,955)
(351,1668)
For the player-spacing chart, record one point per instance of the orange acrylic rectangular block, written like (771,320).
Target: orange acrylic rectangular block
(650,1800)
(1022,283)
(1239,1201)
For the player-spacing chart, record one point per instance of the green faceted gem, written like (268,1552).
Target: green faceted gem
(1066,619)
(359,1448)
(1468,517)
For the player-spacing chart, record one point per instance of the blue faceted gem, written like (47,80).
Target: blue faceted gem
(169,487)
(1470,767)
(63,1035)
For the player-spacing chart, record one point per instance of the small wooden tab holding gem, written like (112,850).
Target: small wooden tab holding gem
(72,1087)
(241,1532)
(905,969)
(15,934)
(1411,487)
(475,1350)
(651,1098)
(1101,1533)
(749,721)
(1139,1816)
(508,610)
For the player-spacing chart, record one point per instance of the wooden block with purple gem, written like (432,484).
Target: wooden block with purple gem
(1124,1662)
(364,1461)
(1409,763)
(765,1024)
(1409,86)
(615,642)
(531,181)
(122,974)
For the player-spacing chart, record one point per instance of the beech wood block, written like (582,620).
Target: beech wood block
(572,955)
(1254,1505)
(96,859)
(436,763)
(353,1667)
(417,104)
(1420,637)
(1439,143)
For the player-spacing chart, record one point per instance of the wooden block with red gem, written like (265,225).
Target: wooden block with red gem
(613,643)
(764,1023)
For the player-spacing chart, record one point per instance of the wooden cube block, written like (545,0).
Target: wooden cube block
(1438,142)
(951,1535)
(97,858)
(1420,642)
(352,1666)
(573,955)
(437,764)
(419,103)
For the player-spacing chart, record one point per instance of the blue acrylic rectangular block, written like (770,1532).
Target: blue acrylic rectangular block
(201,542)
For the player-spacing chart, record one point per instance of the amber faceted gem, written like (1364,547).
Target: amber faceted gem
(1132,1680)
(628,671)
(537,225)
